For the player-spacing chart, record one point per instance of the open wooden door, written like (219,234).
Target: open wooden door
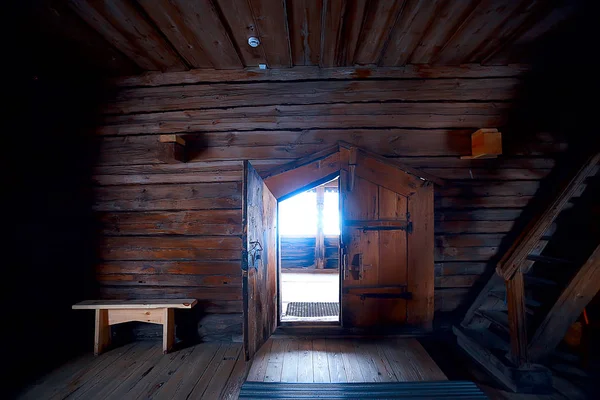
(386,244)
(259,261)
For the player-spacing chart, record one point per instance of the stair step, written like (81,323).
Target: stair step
(548,260)
(498,318)
(568,370)
(487,339)
(531,378)
(566,356)
(501,294)
(536,251)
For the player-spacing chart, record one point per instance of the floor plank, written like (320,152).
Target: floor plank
(351,365)
(217,370)
(95,366)
(95,386)
(259,363)
(397,358)
(200,387)
(337,371)
(384,369)
(275,361)
(108,386)
(194,366)
(158,375)
(426,368)
(305,361)
(237,378)
(320,362)
(54,381)
(222,373)
(290,362)
(127,384)
(367,365)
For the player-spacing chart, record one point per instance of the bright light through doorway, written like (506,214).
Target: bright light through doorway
(309,228)
(298,214)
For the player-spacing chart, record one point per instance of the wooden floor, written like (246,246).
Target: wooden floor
(217,370)
(140,371)
(343,360)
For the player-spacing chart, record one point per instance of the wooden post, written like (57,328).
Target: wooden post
(168,329)
(515,290)
(102,332)
(320,237)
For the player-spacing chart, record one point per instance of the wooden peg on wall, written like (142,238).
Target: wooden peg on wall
(171,149)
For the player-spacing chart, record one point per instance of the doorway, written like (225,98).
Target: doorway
(309,238)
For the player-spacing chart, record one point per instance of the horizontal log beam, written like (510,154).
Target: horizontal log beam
(316,73)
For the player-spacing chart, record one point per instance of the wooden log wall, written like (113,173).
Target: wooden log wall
(173,230)
(299,252)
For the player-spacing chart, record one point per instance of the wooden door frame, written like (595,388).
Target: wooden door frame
(310,171)
(279,302)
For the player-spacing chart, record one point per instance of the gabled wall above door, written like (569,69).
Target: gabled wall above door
(387,245)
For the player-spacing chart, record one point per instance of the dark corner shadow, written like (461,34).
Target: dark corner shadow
(557,99)
(53,98)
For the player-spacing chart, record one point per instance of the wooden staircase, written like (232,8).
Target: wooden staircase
(521,315)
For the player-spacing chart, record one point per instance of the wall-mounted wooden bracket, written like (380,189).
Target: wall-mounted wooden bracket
(485,143)
(172,149)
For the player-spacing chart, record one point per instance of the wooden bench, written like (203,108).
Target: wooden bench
(112,312)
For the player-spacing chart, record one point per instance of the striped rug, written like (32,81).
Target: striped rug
(370,391)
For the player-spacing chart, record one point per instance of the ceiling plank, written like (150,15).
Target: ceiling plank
(523,16)
(195,30)
(480,25)
(410,27)
(304,20)
(62,27)
(342,23)
(447,19)
(122,25)
(353,20)
(271,19)
(381,15)
(238,16)
(331,30)
(535,31)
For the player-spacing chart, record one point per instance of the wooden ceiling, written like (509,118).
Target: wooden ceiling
(175,35)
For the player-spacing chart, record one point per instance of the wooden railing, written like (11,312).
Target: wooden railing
(515,263)
(517,254)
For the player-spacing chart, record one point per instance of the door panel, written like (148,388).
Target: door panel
(259,261)
(374,240)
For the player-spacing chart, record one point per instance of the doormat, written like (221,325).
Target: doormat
(376,390)
(299,309)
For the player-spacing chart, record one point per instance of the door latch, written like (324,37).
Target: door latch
(358,268)
(255,253)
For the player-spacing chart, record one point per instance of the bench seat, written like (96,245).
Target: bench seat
(154,311)
(134,304)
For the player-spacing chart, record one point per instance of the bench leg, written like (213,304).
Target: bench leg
(102,332)
(168,330)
